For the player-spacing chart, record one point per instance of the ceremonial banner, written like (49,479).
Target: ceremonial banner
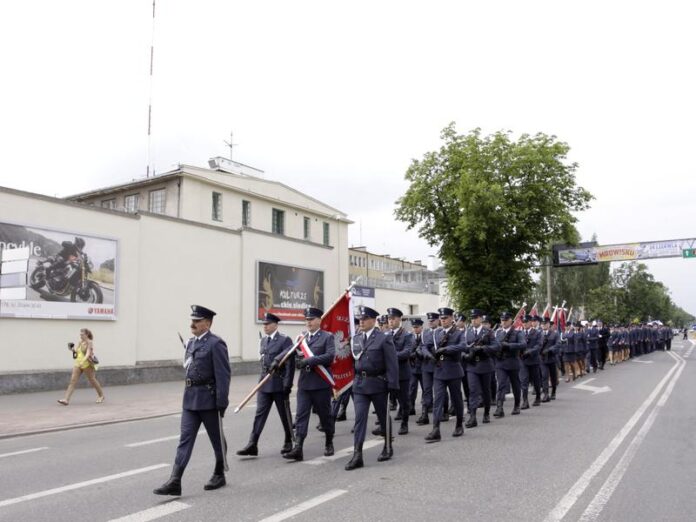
(517,324)
(339,321)
(287,290)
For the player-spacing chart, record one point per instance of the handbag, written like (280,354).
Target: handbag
(95,359)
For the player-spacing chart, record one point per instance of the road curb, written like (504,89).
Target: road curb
(85,425)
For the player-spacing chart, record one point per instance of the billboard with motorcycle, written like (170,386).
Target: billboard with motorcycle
(69,275)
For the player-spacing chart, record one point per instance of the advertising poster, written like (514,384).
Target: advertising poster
(69,275)
(287,290)
(589,254)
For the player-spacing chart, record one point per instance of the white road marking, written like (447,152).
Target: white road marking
(577,489)
(644,362)
(343,453)
(22,452)
(595,507)
(79,485)
(153,513)
(594,389)
(304,506)
(155,441)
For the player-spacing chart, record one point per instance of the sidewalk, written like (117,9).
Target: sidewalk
(31,413)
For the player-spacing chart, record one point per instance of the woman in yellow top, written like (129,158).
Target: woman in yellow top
(83,354)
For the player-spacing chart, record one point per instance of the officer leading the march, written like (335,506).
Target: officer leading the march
(274,346)
(376,374)
(403,342)
(312,390)
(205,400)
(507,366)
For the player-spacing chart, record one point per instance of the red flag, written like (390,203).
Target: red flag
(561,320)
(517,324)
(547,311)
(339,321)
(533,312)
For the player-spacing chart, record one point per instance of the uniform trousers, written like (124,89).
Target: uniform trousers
(427,399)
(413,385)
(530,373)
(190,424)
(403,399)
(594,358)
(264,403)
(343,400)
(361,401)
(440,387)
(479,391)
(321,401)
(548,372)
(508,379)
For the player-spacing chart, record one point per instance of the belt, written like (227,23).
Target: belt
(193,382)
(372,374)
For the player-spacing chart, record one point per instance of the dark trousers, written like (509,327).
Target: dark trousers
(190,424)
(321,401)
(527,374)
(362,408)
(479,391)
(669,343)
(548,372)
(508,379)
(413,385)
(594,358)
(264,402)
(427,399)
(343,400)
(494,386)
(455,390)
(603,351)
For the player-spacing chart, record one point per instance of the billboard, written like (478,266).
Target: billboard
(590,253)
(66,275)
(287,290)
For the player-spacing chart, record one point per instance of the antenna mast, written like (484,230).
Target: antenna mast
(149,106)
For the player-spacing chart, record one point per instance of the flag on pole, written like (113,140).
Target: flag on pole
(547,311)
(517,324)
(339,321)
(534,312)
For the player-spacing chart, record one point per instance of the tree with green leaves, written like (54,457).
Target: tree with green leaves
(493,205)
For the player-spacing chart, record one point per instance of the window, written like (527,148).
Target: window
(246,213)
(157,201)
(307,225)
(131,203)
(326,233)
(217,206)
(109,203)
(278,221)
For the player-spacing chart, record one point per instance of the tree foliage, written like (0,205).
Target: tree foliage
(492,205)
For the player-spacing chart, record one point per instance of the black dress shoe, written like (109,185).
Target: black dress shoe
(515,411)
(287,447)
(215,482)
(545,398)
(471,422)
(379,432)
(423,420)
(445,417)
(433,436)
(525,405)
(356,461)
(171,487)
(403,429)
(296,452)
(458,431)
(486,418)
(341,417)
(412,411)
(537,401)
(250,450)
(328,449)
(385,455)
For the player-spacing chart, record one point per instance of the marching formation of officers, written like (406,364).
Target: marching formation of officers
(458,367)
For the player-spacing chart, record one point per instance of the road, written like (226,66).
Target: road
(626,453)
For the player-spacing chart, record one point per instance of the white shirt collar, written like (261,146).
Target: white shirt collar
(369,333)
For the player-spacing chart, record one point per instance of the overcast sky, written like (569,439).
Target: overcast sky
(335,99)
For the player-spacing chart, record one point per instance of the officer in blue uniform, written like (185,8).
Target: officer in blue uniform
(428,366)
(480,351)
(547,353)
(274,346)
(592,337)
(416,361)
(530,363)
(312,390)
(404,342)
(206,393)
(507,365)
(445,348)
(376,374)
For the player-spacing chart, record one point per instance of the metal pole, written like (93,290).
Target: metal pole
(548,283)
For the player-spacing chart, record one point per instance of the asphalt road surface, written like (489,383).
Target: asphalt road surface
(625,452)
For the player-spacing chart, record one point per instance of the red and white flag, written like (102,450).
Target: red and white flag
(320,369)
(339,321)
(517,324)
(534,312)
(547,311)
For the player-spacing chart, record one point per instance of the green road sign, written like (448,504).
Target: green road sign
(689,252)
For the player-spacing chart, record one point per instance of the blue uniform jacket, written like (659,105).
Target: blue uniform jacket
(404,343)
(416,360)
(324,349)
(530,356)
(592,336)
(428,351)
(376,365)
(509,355)
(549,346)
(276,350)
(209,364)
(448,365)
(480,350)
